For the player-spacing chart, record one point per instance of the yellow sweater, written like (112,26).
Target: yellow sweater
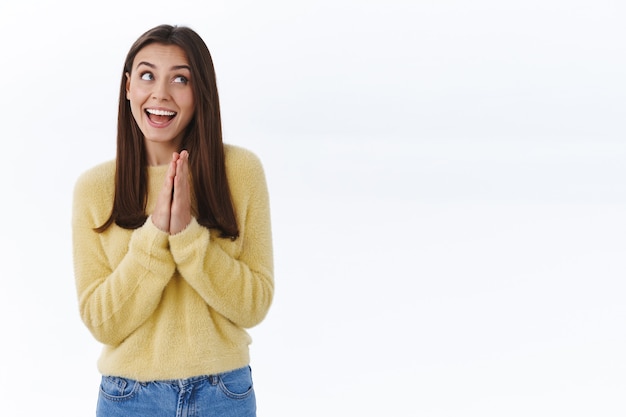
(173,307)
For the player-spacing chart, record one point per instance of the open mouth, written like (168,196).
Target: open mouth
(160,116)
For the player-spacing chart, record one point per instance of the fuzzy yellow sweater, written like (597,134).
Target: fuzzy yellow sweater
(172,307)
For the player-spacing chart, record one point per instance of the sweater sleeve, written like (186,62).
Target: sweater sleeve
(239,287)
(117,290)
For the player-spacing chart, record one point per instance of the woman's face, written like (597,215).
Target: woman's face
(161,100)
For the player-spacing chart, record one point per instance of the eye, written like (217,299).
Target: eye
(181,79)
(147,76)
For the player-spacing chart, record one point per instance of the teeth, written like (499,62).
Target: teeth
(161,112)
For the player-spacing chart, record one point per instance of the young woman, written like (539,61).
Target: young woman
(172,243)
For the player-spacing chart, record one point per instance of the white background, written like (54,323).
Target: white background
(448,198)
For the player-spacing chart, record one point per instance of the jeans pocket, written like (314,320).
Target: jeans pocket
(117,388)
(236,384)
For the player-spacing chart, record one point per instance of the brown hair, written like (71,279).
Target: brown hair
(203,139)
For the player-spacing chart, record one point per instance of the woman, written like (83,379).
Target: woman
(172,243)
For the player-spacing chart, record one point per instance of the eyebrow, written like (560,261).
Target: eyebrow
(174,68)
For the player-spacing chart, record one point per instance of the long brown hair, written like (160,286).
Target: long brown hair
(203,139)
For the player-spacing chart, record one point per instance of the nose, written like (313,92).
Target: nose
(161,90)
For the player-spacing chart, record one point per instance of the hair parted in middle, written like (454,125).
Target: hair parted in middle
(202,138)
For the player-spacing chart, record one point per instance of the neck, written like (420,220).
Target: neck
(160,153)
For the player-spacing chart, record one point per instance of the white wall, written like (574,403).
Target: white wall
(447,184)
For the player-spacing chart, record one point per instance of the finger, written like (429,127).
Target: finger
(182,167)
(185,167)
(161,215)
(186,160)
(162,210)
(181,203)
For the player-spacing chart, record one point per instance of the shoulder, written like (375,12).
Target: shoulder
(241,163)
(239,157)
(96,180)
(245,172)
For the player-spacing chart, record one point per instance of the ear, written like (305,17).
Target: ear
(127,85)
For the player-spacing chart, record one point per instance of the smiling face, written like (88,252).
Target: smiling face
(161,98)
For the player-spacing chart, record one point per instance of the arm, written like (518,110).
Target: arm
(239,287)
(118,288)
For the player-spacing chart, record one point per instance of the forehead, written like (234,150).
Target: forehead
(161,55)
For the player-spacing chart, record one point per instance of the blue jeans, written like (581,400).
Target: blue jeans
(229,394)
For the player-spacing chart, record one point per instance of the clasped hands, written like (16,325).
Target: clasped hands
(172,212)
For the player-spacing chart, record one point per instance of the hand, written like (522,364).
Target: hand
(180,210)
(162,210)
